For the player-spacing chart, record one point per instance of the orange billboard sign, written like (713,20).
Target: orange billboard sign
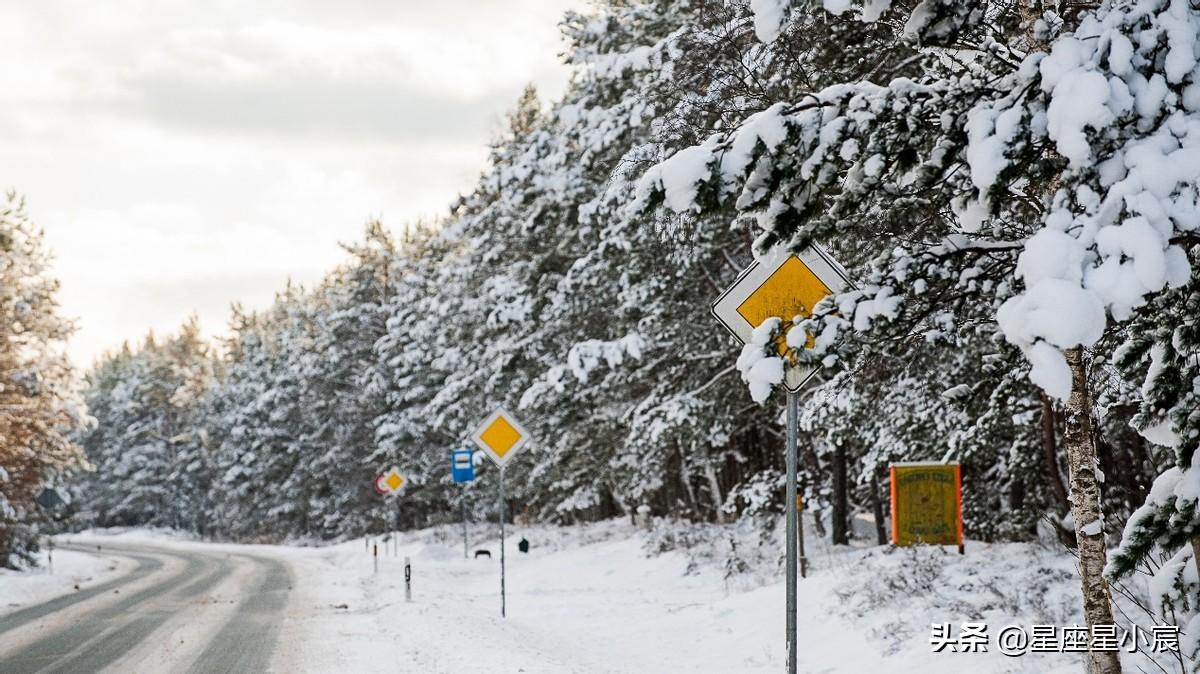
(927,504)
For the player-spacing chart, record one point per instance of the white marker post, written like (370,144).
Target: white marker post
(501,436)
(407,580)
(782,284)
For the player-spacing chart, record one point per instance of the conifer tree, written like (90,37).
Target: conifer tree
(39,403)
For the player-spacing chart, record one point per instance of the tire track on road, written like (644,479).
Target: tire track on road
(146,565)
(116,642)
(247,642)
(49,651)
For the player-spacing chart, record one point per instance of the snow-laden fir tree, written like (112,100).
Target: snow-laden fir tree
(39,401)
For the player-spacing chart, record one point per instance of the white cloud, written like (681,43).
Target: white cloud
(185,155)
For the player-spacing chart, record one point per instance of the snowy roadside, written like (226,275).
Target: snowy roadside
(71,571)
(590,599)
(608,597)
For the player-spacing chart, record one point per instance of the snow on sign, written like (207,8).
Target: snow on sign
(391,483)
(500,436)
(780,284)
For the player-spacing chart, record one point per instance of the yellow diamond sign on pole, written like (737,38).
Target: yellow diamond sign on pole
(781,284)
(500,436)
(391,483)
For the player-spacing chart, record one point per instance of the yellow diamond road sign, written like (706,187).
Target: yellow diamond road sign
(392,482)
(784,285)
(500,436)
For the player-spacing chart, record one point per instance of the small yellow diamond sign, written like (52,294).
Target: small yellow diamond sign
(784,285)
(500,436)
(391,482)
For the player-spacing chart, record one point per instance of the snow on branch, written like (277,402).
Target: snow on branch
(1113,108)
(585,357)
(931,22)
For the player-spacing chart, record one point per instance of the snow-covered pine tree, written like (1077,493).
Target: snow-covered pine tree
(343,400)
(186,363)
(412,361)
(147,448)
(1165,354)
(39,401)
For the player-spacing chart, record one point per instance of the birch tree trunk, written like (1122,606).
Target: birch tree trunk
(1085,509)
(686,482)
(1196,552)
(714,488)
(1050,454)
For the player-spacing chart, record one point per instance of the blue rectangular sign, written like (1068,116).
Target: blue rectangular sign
(462,465)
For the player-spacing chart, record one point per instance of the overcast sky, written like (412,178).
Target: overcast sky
(183,155)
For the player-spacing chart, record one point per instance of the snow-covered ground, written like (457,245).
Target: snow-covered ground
(45,581)
(591,599)
(610,597)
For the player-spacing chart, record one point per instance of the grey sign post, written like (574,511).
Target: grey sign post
(503,602)
(396,536)
(462,470)
(793,406)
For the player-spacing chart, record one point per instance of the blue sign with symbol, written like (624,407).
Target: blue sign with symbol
(462,465)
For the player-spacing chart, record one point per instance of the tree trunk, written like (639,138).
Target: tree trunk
(877,505)
(809,456)
(841,536)
(714,488)
(620,502)
(1085,509)
(1196,552)
(685,482)
(1050,454)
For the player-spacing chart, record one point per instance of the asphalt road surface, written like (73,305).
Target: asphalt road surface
(174,610)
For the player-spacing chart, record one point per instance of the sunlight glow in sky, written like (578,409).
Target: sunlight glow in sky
(183,155)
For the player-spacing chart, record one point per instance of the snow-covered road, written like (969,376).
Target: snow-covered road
(172,609)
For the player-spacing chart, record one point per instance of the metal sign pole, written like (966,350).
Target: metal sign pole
(464,519)
(502,598)
(396,536)
(793,403)
(800,536)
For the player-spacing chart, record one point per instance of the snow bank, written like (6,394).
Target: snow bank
(609,597)
(19,589)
